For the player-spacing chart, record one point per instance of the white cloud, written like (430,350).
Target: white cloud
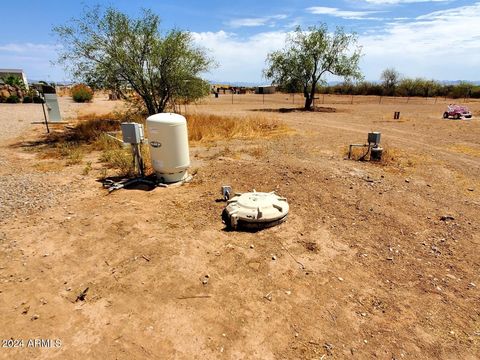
(257,21)
(346,14)
(239,59)
(391,2)
(34,59)
(442,44)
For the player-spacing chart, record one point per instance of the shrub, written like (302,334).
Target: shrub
(27,100)
(13,99)
(38,100)
(82,93)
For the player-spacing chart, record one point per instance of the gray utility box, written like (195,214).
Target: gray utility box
(374,138)
(132,133)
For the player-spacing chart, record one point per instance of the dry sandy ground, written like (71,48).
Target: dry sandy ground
(365,267)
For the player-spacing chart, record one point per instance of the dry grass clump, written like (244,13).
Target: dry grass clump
(90,127)
(391,157)
(205,127)
(465,149)
(119,159)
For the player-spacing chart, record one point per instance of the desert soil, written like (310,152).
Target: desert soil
(374,261)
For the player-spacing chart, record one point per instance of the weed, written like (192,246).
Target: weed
(119,159)
(87,168)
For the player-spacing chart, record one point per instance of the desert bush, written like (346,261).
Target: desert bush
(27,100)
(14,80)
(205,127)
(13,99)
(91,127)
(119,159)
(82,93)
(38,100)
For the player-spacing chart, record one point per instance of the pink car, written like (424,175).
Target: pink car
(457,112)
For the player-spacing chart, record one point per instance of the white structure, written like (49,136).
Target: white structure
(4,73)
(168,140)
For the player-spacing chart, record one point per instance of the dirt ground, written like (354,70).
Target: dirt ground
(374,261)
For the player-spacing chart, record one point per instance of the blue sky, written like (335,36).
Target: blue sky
(437,39)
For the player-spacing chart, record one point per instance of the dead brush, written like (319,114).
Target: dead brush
(206,127)
(391,157)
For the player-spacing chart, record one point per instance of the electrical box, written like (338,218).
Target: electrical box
(374,138)
(132,133)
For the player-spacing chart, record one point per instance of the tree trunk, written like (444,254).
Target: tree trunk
(308,102)
(310,97)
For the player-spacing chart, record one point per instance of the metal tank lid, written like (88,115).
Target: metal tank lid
(167,118)
(255,210)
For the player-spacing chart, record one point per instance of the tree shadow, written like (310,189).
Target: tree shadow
(296,109)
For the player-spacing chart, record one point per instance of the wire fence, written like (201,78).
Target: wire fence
(295,100)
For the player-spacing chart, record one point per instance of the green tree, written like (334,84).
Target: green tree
(310,54)
(109,49)
(462,90)
(428,87)
(408,87)
(390,79)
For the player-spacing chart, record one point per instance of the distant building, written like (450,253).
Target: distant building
(265,89)
(4,73)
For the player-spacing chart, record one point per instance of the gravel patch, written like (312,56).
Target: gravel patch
(21,194)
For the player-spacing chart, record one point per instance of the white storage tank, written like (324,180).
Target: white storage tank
(168,141)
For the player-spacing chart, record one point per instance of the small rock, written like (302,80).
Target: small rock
(69,289)
(252,246)
(472,285)
(268,296)
(288,292)
(205,279)
(35,316)
(340,278)
(363,314)
(471,189)
(407,180)
(390,258)
(274,257)
(447,217)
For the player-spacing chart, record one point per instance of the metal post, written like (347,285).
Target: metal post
(45,116)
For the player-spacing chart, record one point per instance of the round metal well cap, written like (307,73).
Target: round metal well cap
(255,210)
